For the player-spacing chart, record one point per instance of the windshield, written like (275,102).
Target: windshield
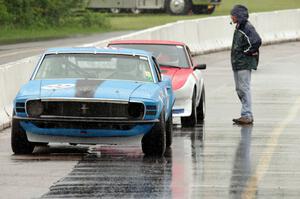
(166,55)
(95,66)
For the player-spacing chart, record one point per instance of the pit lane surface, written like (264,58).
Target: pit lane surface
(214,160)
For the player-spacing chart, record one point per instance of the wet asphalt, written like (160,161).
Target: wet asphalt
(216,159)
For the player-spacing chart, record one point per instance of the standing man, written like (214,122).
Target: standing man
(244,59)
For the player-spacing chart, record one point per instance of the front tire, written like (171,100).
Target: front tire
(178,7)
(201,109)
(19,141)
(191,120)
(169,131)
(154,142)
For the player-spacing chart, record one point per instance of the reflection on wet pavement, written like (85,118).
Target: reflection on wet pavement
(124,172)
(116,174)
(241,171)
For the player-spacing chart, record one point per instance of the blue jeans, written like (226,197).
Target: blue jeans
(242,80)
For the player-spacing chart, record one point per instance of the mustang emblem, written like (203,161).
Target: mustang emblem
(84,108)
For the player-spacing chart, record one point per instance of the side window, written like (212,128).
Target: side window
(157,70)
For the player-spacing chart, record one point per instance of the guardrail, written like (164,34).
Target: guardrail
(202,35)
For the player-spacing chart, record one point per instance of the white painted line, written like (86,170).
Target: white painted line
(265,160)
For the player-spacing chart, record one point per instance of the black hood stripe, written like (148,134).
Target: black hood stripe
(87,88)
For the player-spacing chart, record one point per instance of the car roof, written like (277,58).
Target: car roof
(94,50)
(162,42)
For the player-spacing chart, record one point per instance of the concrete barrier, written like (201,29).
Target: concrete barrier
(201,35)
(12,76)
(4,119)
(215,33)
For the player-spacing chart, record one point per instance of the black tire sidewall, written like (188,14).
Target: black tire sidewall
(169,130)
(201,106)
(19,141)
(191,120)
(154,142)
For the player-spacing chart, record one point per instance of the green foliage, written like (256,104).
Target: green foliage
(94,20)
(4,15)
(46,13)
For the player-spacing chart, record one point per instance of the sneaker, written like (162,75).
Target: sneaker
(243,120)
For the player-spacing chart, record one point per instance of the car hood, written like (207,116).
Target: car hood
(177,75)
(83,88)
(169,71)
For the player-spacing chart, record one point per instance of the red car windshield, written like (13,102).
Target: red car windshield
(166,55)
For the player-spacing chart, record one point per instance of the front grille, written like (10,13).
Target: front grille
(85,109)
(83,125)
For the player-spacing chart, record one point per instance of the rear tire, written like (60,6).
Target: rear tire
(191,120)
(169,130)
(201,109)
(178,7)
(19,141)
(154,142)
(115,10)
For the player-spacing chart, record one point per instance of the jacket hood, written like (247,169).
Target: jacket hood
(241,12)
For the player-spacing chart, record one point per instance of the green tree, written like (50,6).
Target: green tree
(26,13)
(4,15)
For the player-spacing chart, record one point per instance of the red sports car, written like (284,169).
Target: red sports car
(175,60)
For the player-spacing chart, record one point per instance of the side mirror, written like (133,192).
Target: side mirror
(200,67)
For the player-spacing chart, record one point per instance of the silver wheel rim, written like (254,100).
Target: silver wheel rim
(136,11)
(115,10)
(177,6)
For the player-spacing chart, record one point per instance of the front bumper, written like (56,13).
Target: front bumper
(183,102)
(55,119)
(82,131)
(182,108)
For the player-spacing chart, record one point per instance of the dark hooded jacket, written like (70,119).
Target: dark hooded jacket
(246,42)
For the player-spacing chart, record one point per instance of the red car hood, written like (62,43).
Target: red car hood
(178,75)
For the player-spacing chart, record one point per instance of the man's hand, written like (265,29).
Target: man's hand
(251,54)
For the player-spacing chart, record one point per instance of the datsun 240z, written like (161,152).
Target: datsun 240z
(175,60)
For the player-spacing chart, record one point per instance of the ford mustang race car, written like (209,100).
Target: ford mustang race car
(94,96)
(175,61)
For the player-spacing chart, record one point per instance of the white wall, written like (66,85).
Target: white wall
(12,76)
(202,36)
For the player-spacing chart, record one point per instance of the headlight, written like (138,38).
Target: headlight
(34,108)
(136,110)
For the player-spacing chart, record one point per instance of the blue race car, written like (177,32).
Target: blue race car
(94,96)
